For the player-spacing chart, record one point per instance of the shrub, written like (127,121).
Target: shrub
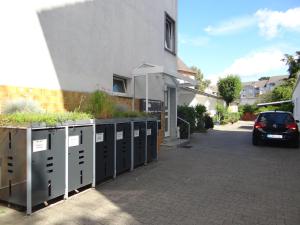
(247,112)
(221,111)
(100,105)
(187,113)
(284,107)
(249,108)
(231,118)
(200,111)
(21,105)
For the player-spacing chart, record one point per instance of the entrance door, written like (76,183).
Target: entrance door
(167,112)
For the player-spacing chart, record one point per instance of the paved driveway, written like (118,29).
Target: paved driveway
(221,180)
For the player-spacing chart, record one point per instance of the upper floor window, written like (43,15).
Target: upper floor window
(170,34)
(119,84)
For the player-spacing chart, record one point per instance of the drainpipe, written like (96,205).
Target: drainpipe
(147,97)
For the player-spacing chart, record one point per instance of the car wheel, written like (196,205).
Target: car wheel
(255,141)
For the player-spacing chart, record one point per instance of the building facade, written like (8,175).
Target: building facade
(57,52)
(189,95)
(296,100)
(252,90)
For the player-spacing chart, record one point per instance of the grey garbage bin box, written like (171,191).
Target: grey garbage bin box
(123,147)
(47,165)
(139,143)
(104,156)
(48,176)
(80,157)
(151,140)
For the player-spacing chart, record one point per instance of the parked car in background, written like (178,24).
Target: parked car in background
(276,126)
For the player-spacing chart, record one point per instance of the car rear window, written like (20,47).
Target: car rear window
(280,118)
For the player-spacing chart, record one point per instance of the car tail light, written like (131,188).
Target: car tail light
(259,125)
(292,126)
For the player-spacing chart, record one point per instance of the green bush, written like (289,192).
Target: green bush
(231,118)
(200,111)
(221,111)
(187,113)
(284,107)
(248,108)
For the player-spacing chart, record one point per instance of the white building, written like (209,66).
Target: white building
(78,46)
(296,99)
(252,90)
(188,95)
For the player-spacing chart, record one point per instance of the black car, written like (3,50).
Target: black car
(276,126)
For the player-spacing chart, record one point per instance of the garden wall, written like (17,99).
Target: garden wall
(60,100)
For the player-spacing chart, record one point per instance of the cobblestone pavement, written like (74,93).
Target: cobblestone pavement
(222,179)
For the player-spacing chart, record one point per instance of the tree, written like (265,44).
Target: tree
(230,88)
(202,83)
(284,91)
(264,78)
(293,62)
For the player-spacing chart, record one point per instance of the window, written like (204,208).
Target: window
(119,85)
(169,34)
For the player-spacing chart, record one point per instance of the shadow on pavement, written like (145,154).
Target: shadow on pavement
(246,127)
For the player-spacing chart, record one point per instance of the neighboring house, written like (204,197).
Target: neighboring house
(296,99)
(188,95)
(184,70)
(57,52)
(252,90)
(212,89)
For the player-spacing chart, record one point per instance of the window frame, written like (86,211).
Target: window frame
(124,84)
(169,19)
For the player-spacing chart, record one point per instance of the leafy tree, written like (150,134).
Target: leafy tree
(293,62)
(202,83)
(264,78)
(230,88)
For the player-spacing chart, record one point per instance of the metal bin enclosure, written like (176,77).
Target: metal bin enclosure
(151,140)
(80,157)
(123,147)
(47,165)
(104,155)
(139,144)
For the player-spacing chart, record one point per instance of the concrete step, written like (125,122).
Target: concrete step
(174,142)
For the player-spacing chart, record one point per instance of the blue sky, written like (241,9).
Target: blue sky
(241,37)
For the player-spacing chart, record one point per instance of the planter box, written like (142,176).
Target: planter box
(32,165)
(40,163)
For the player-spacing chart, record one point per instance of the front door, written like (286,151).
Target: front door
(167,112)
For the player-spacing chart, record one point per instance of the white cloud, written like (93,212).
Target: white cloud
(193,41)
(230,26)
(270,22)
(253,65)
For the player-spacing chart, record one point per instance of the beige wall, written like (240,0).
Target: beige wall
(77,45)
(192,98)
